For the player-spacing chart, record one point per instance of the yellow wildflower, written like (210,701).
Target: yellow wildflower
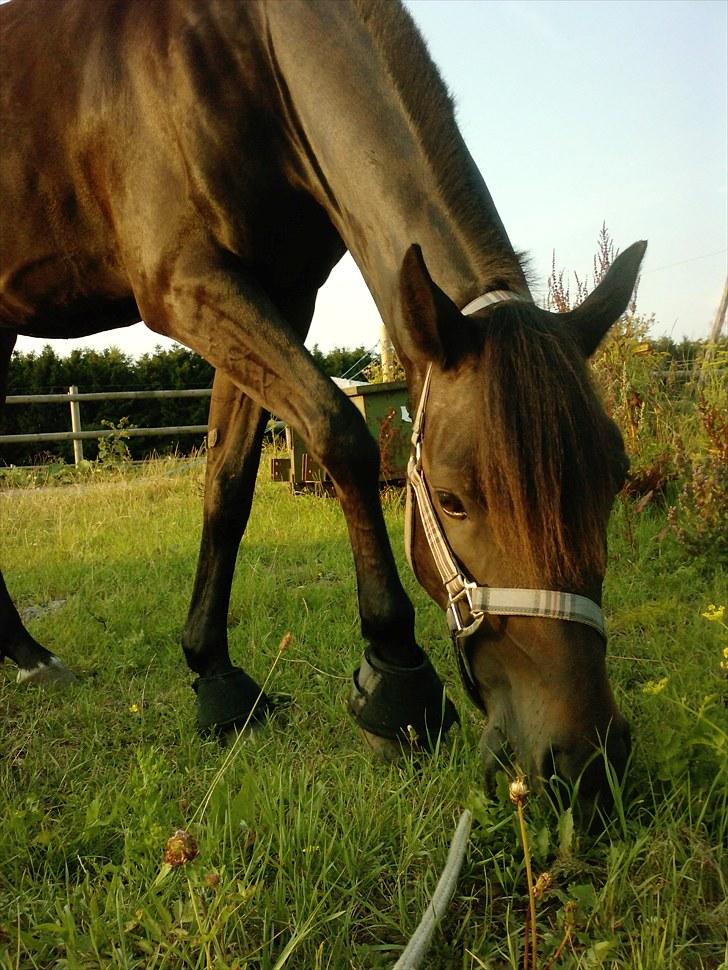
(655,686)
(714,613)
(133,708)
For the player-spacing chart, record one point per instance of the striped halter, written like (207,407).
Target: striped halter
(469,604)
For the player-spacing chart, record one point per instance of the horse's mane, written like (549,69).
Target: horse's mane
(542,463)
(430,111)
(543,455)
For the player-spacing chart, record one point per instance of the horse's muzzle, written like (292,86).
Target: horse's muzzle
(593,769)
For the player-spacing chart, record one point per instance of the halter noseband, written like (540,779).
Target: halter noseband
(468,603)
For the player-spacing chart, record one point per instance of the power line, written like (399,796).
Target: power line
(682,262)
(364,359)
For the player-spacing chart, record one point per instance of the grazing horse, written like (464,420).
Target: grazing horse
(204,166)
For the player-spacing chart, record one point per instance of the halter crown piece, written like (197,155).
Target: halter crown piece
(468,603)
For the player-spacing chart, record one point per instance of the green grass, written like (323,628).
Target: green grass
(311,854)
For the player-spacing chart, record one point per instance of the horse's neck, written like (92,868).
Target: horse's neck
(374,169)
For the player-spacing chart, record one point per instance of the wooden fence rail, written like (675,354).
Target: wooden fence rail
(77,435)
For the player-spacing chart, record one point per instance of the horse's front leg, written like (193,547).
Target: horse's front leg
(225,316)
(397,698)
(226,695)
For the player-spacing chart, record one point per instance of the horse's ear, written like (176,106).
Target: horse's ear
(602,308)
(431,321)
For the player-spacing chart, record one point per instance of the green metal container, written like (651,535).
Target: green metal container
(385,408)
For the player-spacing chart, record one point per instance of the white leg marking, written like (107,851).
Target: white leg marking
(54,672)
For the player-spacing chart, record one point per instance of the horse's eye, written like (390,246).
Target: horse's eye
(451,505)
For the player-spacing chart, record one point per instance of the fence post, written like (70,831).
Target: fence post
(76,426)
(387,355)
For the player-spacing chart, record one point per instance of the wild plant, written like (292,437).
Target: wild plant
(113,449)
(671,414)
(699,517)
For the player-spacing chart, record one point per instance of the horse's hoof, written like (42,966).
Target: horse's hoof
(55,673)
(400,707)
(228,734)
(383,748)
(250,727)
(229,702)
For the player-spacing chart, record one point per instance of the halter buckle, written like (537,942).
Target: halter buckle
(458,626)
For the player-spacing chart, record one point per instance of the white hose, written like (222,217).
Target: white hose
(416,950)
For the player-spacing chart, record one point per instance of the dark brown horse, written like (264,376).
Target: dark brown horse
(204,166)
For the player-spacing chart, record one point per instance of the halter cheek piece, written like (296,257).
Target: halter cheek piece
(468,603)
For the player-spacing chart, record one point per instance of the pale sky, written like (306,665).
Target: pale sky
(577,112)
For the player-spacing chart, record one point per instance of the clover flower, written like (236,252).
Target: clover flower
(180,849)
(518,790)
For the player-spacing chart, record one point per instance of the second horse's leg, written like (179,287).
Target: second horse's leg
(35,664)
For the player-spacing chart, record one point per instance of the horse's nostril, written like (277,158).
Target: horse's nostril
(586,762)
(583,765)
(550,767)
(618,746)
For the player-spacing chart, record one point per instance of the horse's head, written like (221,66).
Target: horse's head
(514,476)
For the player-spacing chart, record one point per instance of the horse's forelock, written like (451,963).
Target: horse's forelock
(542,457)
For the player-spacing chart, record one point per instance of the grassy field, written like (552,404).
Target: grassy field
(311,854)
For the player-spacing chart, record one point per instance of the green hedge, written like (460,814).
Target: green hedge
(46,372)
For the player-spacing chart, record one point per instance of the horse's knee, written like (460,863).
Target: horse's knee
(347,450)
